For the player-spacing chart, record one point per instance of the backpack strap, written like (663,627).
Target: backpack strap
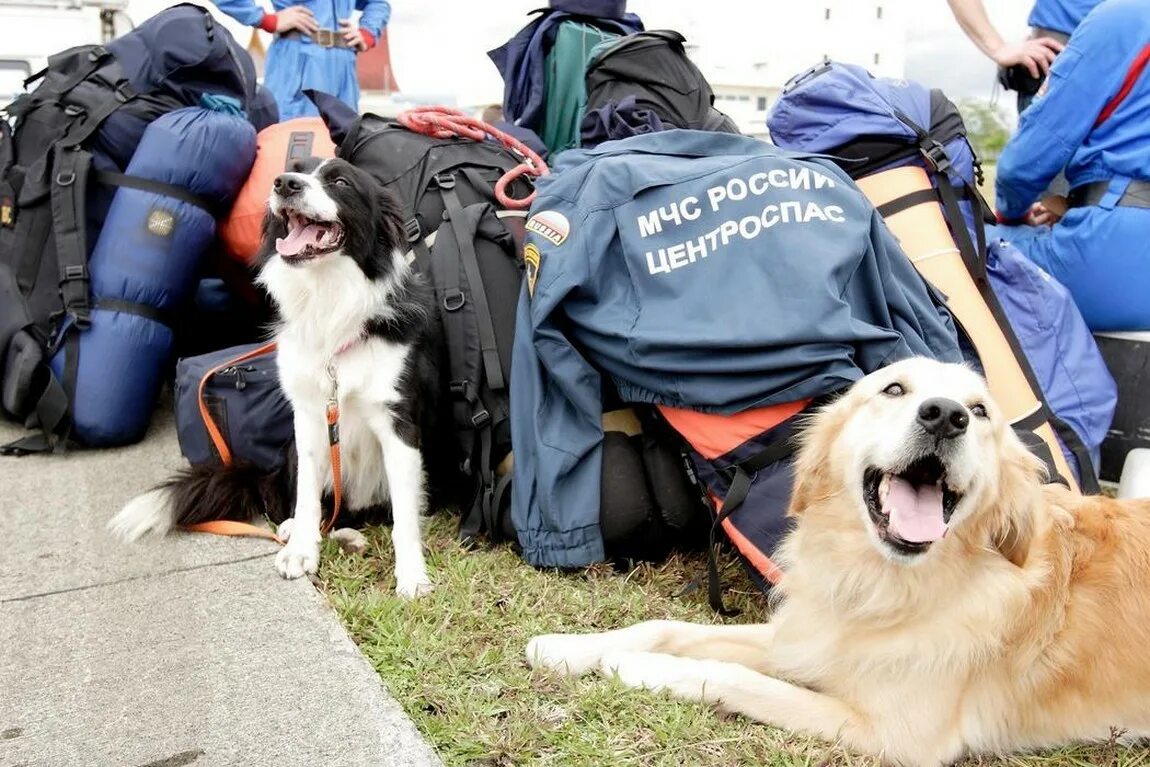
(52,412)
(741,475)
(68,199)
(69,186)
(138,183)
(488,349)
(94,113)
(483,508)
(95,59)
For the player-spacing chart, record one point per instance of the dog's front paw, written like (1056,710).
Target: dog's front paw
(284,529)
(413,586)
(571,654)
(298,558)
(687,678)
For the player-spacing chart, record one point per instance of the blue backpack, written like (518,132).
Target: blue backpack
(874,124)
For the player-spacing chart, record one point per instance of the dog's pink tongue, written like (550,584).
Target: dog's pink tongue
(915,515)
(297,239)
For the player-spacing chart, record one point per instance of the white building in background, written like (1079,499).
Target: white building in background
(748,64)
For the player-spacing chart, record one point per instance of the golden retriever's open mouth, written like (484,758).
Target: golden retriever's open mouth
(307,238)
(911,508)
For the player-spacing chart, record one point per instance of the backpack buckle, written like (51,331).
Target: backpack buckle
(72,110)
(74,272)
(123,92)
(7,212)
(935,154)
(412,229)
(445,180)
(454,300)
(481,419)
(460,389)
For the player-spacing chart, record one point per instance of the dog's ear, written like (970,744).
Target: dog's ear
(812,465)
(1018,496)
(389,220)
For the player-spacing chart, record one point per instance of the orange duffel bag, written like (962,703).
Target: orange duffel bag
(277,147)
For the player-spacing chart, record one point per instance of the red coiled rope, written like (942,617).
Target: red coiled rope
(445,122)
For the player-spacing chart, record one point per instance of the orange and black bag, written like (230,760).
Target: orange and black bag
(277,147)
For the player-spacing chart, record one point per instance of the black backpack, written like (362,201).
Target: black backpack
(654,68)
(63,150)
(470,245)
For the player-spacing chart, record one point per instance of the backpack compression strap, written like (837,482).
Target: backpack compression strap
(68,192)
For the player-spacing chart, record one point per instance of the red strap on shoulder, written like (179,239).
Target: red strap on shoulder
(1132,76)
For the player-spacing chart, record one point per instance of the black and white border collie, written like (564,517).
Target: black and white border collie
(349,304)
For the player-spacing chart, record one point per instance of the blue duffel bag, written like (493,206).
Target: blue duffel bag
(231,410)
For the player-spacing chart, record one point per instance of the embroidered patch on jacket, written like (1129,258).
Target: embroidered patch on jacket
(551,225)
(531,258)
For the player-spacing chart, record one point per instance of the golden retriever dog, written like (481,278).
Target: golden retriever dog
(937,601)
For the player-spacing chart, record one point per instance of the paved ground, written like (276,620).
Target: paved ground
(186,651)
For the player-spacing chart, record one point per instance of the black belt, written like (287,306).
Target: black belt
(1137,195)
(324,38)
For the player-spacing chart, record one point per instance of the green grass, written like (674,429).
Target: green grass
(454,661)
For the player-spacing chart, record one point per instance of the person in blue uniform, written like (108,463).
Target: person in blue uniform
(1023,65)
(1090,123)
(315,46)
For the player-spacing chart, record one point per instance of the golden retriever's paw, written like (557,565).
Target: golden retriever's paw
(571,654)
(414,586)
(350,540)
(700,680)
(298,558)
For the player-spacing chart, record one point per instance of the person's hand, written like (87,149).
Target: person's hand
(1045,213)
(296,17)
(352,36)
(1036,55)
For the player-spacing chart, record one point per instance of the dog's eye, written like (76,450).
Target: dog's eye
(339,181)
(979,410)
(894,390)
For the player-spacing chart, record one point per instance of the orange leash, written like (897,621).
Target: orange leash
(233,528)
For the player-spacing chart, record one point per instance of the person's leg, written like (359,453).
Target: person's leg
(332,71)
(285,75)
(1102,258)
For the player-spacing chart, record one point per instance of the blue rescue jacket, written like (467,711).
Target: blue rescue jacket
(1060,15)
(698,270)
(296,64)
(1100,252)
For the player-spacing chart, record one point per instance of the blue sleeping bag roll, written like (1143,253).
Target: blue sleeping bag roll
(189,164)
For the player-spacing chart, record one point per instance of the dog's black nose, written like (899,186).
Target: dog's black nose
(943,418)
(288,183)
